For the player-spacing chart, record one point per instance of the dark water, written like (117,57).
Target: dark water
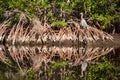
(59,63)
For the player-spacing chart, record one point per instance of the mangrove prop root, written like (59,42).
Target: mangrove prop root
(36,33)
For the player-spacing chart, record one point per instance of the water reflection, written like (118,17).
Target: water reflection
(49,62)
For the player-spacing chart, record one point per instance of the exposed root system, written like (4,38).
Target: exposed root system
(37,32)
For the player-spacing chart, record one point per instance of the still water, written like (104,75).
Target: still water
(59,63)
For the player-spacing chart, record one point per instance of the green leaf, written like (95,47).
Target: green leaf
(61,23)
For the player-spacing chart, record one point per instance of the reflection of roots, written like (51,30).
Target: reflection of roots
(37,56)
(36,32)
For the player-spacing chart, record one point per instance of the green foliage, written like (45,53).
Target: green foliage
(2,17)
(103,10)
(106,19)
(103,71)
(61,23)
(14,20)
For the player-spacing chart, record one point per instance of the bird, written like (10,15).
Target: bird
(83,22)
(85,27)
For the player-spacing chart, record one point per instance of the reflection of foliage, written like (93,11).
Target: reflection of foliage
(58,66)
(30,75)
(103,71)
(55,65)
(3,77)
(3,67)
(62,69)
(69,77)
(10,65)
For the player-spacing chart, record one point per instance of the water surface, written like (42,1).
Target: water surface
(59,63)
